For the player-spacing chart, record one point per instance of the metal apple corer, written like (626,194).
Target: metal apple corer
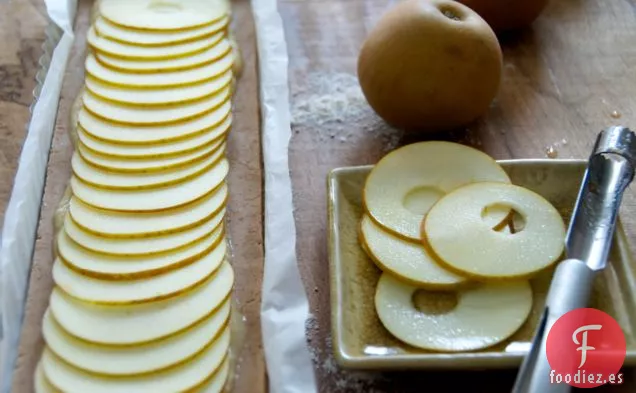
(609,172)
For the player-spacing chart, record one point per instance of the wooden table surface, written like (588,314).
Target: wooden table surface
(565,79)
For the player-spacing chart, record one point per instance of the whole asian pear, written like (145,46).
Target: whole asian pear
(430,65)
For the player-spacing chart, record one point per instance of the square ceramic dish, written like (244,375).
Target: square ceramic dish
(361,342)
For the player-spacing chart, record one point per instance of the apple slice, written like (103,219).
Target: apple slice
(100,178)
(157,37)
(143,115)
(163,79)
(142,245)
(467,246)
(158,198)
(127,51)
(483,316)
(171,149)
(40,383)
(121,292)
(139,359)
(141,323)
(407,260)
(160,96)
(109,223)
(126,267)
(206,56)
(404,184)
(217,383)
(182,378)
(123,165)
(164,15)
(131,135)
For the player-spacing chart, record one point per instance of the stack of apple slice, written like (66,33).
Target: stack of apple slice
(142,284)
(438,221)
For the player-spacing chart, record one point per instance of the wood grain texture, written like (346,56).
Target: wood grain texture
(22,26)
(244,209)
(563,79)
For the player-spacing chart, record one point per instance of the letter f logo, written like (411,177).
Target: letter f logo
(583,344)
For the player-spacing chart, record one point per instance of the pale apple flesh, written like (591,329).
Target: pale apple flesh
(164,16)
(148,115)
(120,49)
(151,38)
(181,378)
(161,286)
(155,199)
(484,316)
(141,323)
(164,79)
(40,383)
(169,149)
(105,179)
(140,359)
(137,224)
(425,172)
(407,260)
(123,165)
(127,134)
(217,383)
(126,266)
(161,96)
(206,56)
(467,246)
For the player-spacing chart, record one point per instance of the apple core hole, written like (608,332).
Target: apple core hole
(518,222)
(164,6)
(419,200)
(451,12)
(434,303)
(496,216)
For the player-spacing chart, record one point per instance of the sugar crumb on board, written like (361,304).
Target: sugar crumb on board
(333,104)
(341,381)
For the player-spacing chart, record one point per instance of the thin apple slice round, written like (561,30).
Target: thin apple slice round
(141,165)
(163,79)
(467,246)
(155,199)
(161,96)
(484,316)
(140,136)
(407,260)
(101,178)
(180,147)
(217,383)
(144,115)
(119,49)
(184,377)
(156,38)
(206,56)
(139,359)
(40,383)
(404,184)
(158,151)
(161,286)
(126,267)
(141,323)
(109,223)
(159,16)
(141,245)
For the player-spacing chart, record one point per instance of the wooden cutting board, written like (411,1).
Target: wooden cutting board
(565,79)
(244,209)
